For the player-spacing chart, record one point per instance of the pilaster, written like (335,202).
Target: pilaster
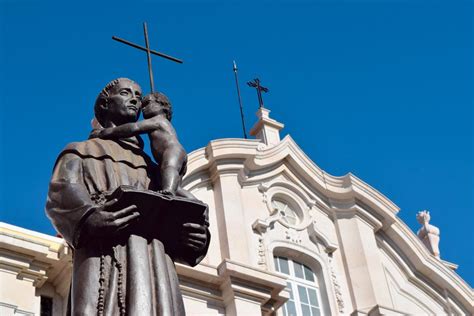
(362,262)
(229,210)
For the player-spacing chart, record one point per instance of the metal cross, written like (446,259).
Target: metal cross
(256,84)
(148,54)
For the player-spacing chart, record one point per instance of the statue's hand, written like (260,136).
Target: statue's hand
(194,236)
(103,222)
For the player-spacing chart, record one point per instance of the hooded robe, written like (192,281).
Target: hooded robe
(126,274)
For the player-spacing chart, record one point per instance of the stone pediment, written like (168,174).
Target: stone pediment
(257,163)
(285,164)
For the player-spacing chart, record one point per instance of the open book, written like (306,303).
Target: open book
(162,216)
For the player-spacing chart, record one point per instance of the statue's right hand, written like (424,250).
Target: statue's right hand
(104,222)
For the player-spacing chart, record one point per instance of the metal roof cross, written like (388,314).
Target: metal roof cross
(256,84)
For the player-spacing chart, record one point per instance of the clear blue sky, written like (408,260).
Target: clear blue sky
(382,89)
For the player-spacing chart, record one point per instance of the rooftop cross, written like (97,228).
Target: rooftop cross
(148,53)
(256,84)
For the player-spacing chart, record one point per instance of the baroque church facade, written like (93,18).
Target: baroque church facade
(287,239)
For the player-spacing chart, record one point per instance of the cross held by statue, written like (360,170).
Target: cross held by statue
(148,53)
(256,84)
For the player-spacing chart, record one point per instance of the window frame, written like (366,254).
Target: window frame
(295,207)
(293,282)
(293,211)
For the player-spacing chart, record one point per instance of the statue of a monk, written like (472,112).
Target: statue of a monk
(116,269)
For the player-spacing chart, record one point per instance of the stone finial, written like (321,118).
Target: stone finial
(266,129)
(428,234)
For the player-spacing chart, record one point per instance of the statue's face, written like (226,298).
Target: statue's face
(124,102)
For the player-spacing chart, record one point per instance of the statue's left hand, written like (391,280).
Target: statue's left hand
(194,236)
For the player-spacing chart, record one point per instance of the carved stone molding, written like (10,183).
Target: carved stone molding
(263,188)
(261,147)
(262,260)
(336,285)
(293,235)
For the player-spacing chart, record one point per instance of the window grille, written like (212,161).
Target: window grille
(305,299)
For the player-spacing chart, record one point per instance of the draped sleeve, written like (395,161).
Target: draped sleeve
(86,170)
(68,204)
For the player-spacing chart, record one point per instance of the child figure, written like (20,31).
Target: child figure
(165,147)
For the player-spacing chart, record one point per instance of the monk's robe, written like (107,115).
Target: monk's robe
(124,274)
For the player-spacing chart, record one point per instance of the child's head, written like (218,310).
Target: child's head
(155,104)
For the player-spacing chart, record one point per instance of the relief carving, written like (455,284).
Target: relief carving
(293,235)
(336,285)
(263,188)
(262,260)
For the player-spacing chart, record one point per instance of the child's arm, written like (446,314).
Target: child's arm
(127,130)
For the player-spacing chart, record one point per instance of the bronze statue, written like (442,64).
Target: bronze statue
(123,245)
(165,146)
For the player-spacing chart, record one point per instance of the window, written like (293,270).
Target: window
(303,287)
(288,212)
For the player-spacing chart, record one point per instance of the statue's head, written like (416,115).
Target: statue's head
(118,103)
(157,103)
(423,217)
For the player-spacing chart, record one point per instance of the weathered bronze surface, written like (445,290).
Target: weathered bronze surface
(104,200)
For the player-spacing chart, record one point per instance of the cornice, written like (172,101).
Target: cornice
(52,243)
(439,287)
(234,278)
(361,199)
(32,255)
(255,284)
(407,243)
(255,157)
(15,309)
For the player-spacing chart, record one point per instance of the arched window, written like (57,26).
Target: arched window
(305,299)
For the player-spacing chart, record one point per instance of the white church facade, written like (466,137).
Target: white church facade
(287,239)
